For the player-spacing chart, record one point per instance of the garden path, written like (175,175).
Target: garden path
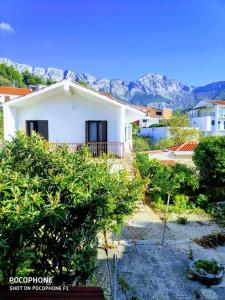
(148,270)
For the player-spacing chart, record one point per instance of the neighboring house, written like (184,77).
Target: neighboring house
(154,116)
(8,93)
(67,112)
(177,154)
(209,117)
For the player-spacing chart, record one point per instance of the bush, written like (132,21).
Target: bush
(182,221)
(209,157)
(202,201)
(52,205)
(163,144)
(141,143)
(209,266)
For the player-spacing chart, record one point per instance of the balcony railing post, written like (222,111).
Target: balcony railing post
(96,148)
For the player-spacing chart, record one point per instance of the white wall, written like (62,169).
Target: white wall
(156,133)
(203,123)
(148,121)
(66,115)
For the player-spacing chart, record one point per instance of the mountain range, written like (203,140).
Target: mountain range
(150,89)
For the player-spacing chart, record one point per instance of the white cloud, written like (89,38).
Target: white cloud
(6,27)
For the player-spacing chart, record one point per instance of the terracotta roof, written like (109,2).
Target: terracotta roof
(14,91)
(188,146)
(219,102)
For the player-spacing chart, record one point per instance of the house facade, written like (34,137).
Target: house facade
(154,116)
(69,113)
(8,93)
(209,117)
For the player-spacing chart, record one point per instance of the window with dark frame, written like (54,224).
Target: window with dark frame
(38,126)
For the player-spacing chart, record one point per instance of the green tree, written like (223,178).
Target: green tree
(180,130)
(30,79)
(53,204)
(164,179)
(8,72)
(5,82)
(209,157)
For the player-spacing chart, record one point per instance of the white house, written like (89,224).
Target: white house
(8,92)
(67,112)
(154,116)
(209,117)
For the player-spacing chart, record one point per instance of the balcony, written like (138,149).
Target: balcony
(96,148)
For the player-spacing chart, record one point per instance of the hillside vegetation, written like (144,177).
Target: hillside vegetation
(11,77)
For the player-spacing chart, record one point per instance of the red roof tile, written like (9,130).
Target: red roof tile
(220,102)
(14,91)
(188,146)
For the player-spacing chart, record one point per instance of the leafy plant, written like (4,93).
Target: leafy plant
(53,204)
(141,143)
(209,266)
(209,157)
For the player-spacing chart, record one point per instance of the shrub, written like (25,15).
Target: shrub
(202,201)
(209,266)
(141,143)
(53,204)
(209,157)
(163,144)
(182,221)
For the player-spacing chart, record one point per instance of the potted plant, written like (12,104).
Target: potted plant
(207,271)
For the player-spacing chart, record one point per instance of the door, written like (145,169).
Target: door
(96,136)
(40,127)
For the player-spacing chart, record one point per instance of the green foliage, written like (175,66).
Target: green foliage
(5,82)
(209,266)
(30,79)
(8,72)
(202,201)
(1,125)
(53,204)
(163,144)
(180,130)
(141,143)
(10,77)
(135,128)
(209,157)
(179,180)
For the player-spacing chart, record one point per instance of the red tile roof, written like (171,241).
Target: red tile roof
(220,102)
(188,146)
(14,91)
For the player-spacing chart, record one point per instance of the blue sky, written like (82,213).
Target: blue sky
(122,39)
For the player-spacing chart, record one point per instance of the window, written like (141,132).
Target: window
(96,131)
(40,127)
(213,123)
